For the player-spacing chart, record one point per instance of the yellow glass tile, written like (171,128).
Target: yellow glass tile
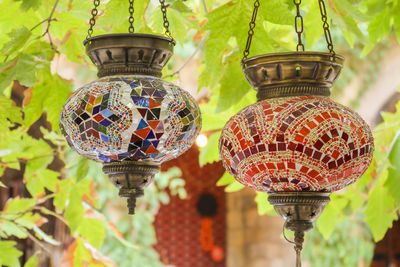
(98,100)
(89,108)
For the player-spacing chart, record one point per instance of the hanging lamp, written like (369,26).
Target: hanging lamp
(295,143)
(130,119)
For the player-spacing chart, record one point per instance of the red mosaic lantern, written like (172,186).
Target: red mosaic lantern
(295,143)
(303,143)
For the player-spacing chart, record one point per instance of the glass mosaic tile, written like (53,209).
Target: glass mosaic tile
(306,143)
(130,118)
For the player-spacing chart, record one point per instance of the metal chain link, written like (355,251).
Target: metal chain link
(92,20)
(325,25)
(298,25)
(252,25)
(131,18)
(166,22)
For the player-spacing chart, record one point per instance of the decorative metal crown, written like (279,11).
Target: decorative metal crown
(129,53)
(292,73)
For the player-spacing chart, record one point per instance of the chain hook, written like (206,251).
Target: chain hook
(252,25)
(325,26)
(298,26)
(92,20)
(131,18)
(166,22)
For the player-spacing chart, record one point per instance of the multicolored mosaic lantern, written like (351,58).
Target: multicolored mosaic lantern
(295,143)
(130,120)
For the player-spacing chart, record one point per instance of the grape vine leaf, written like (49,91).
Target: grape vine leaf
(333,209)
(48,95)
(32,262)
(9,254)
(393,180)
(379,211)
(19,37)
(210,152)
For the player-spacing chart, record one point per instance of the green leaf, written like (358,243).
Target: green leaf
(63,188)
(39,179)
(81,253)
(234,187)
(379,213)
(18,205)
(74,211)
(325,223)
(9,255)
(23,68)
(276,11)
(28,4)
(49,95)
(12,229)
(232,89)
(19,37)
(263,205)
(32,262)
(210,152)
(226,179)
(393,180)
(9,115)
(27,220)
(380,26)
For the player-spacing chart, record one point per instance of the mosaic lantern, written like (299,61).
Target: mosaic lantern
(295,143)
(295,138)
(130,119)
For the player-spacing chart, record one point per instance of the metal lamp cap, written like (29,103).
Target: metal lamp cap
(129,53)
(292,73)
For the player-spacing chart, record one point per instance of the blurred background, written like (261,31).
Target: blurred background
(59,209)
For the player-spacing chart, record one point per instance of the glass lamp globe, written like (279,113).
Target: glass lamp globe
(304,143)
(130,119)
(296,143)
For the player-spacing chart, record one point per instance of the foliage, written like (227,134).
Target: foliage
(335,251)
(44,43)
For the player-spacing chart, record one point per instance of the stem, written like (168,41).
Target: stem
(203,2)
(35,240)
(24,160)
(49,19)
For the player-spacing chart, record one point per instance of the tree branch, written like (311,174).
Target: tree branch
(40,244)
(203,2)
(48,20)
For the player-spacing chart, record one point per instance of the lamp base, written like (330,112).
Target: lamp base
(131,177)
(299,210)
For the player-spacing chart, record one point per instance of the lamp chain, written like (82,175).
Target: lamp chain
(92,20)
(252,25)
(325,25)
(166,22)
(131,18)
(298,25)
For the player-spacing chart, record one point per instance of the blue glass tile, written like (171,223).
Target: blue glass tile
(105,122)
(142,124)
(146,143)
(104,137)
(106,113)
(155,143)
(140,101)
(104,158)
(150,135)
(96,109)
